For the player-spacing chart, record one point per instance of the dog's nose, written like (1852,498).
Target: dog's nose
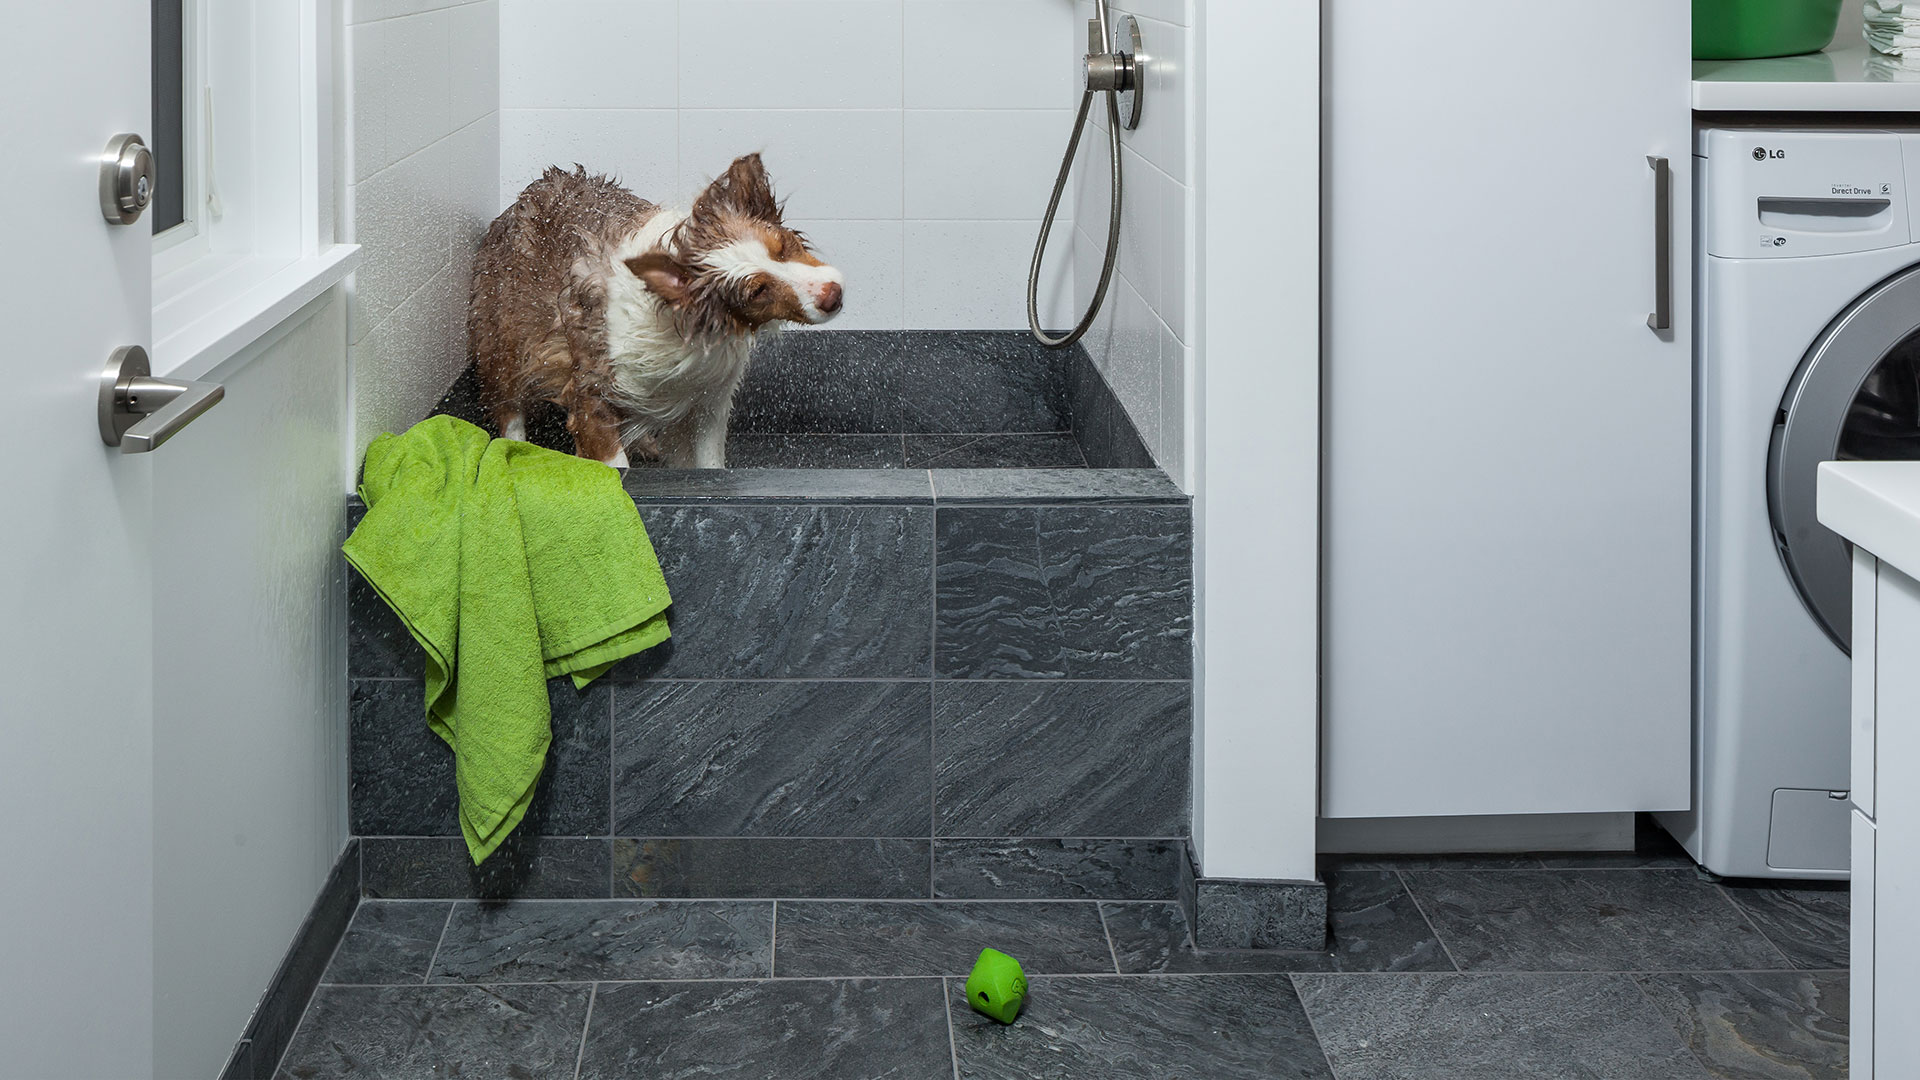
(827,298)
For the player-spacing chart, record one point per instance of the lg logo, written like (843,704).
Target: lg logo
(1761,153)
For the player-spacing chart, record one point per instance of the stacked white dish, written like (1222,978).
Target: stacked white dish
(1893,31)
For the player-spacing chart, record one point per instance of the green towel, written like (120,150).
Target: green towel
(510,565)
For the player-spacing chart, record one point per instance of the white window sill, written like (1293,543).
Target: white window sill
(206,312)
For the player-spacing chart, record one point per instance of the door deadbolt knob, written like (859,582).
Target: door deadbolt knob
(126,180)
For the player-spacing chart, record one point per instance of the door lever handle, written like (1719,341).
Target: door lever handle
(139,412)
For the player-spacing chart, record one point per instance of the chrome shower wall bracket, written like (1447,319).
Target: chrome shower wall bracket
(1118,68)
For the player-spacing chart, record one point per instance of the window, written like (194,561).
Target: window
(168,130)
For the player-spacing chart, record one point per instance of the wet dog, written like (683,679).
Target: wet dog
(636,319)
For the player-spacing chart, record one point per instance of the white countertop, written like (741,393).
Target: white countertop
(1841,79)
(1875,504)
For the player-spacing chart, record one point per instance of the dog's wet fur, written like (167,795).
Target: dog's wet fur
(636,320)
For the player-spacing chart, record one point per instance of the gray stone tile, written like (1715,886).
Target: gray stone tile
(1493,1027)
(401,773)
(981,381)
(750,451)
(773,758)
(1062,759)
(797,868)
(590,940)
(378,644)
(1056,487)
(854,938)
(894,1029)
(1374,925)
(1091,404)
(792,592)
(1231,1027)
(1760,1025)
(408,1032)
(1058,450)
(822,381)
(527,866)
(390,941)
(1588,920)
(1057,869)
(1808,922)
(1065,592)
(1127,450)
(674,487)
(1233,914)
(1155,939)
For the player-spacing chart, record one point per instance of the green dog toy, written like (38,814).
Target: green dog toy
(997,987)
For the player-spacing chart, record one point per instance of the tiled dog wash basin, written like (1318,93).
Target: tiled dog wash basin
(889,679)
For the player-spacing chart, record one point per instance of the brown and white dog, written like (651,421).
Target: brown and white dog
(634,318)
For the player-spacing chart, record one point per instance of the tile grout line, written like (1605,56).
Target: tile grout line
(1445,950)
(1125,975)
(613,712)
(593,995)
(1293,980)
(438,942)
(773,943)
(1747,917)
(933,687)
(1113,951)
(953,1040)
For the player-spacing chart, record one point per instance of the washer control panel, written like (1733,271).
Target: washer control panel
(1782,194)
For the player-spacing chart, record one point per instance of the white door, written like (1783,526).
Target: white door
(76,935)
(1508,443)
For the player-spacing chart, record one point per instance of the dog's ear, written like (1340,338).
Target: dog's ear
(662,276)
(743,189)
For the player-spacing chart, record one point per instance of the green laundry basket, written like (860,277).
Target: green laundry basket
(1748,29)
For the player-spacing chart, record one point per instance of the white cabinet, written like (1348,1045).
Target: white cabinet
(1508,444)
(1886,834)
(1876,506)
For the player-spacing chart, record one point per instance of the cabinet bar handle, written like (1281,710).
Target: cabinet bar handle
(1662,317)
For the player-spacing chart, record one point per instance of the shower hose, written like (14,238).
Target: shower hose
(1053,206)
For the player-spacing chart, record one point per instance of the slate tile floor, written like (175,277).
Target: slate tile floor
(1515,967)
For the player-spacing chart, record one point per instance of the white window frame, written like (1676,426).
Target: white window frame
(259,81)
(179,246)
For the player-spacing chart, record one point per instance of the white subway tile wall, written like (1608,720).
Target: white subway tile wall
(1142,342)
(914,140)
(423,166)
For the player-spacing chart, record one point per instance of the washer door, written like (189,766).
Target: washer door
(1855,397)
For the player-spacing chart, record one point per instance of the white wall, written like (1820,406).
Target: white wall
(916,140)
(1258,441)
(1143,341)
(249,682)
(422,142)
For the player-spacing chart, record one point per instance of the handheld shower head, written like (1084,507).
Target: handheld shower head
(1117,74)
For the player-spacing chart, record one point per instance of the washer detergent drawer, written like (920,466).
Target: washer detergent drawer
(1809,830)
(1790,194)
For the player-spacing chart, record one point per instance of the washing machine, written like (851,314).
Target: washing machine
(1807,291)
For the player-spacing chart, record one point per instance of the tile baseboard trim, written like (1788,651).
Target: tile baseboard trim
(257,1055)
(1253,914)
